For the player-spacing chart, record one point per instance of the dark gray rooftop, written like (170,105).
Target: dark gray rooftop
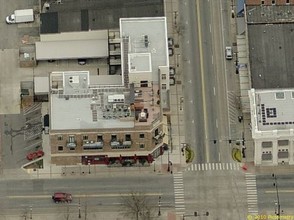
(81,15)
(271,55)
(270,14)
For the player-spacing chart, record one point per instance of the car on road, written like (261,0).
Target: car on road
(170,42)
(170,52)
(59,197)
(172,71)
(172,81)
(35,155)
(229,53)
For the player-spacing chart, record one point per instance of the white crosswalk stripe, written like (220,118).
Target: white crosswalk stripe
(213,166)
(179,193)
(252,199)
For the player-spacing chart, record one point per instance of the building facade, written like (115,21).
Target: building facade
(270,36)
(272,121)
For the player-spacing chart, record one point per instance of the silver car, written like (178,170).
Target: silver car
(229,53)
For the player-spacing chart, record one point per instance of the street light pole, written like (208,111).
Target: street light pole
(278,211)
(196,214)
(168,165)
(159,204)
(31,212)
(80,208)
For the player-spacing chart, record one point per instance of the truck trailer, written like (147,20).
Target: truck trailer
(21,16)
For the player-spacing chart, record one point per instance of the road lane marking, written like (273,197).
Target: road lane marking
(202,79)
(280,191)
(251,192)
(80,195)
(179,192)
(214,90)
(216,123)
(210,28)
(212,59)
(217,166)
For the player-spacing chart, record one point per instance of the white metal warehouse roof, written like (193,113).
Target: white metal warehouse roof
(72,45)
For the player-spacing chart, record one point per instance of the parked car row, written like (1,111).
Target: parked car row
(170,46)
(172,70)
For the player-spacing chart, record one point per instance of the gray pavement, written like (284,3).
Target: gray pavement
(94,198)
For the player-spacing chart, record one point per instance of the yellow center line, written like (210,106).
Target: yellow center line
(202,79)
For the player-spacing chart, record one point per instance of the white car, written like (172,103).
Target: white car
(172,71)
(229,53)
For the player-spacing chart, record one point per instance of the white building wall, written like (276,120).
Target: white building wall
(138,77)
(269,136)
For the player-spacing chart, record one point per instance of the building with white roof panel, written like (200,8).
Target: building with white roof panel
(110,118)
(273,125)
(270,46)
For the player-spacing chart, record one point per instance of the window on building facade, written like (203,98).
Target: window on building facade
(156,132)
(262,2)
(85,137)
(142,135)
(113,137)
(142,146)
(283,142)
(121,147)
(99,138)
(267,144)
(128,137)
(267,155)
(144,83)
(71,139)
(287,1)
(280,95)
(163,86)
(273,2)
(283,153)
(59,138)
(60,148)
(163,76)
(97,147)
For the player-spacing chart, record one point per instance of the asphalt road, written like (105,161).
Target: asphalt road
(208,80)
(205,34)
(98,194)
(221,193)
(267,194)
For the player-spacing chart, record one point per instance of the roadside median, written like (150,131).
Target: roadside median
(236,155)
(189,154)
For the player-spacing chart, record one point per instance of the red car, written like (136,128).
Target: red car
(62,197)
(35,155)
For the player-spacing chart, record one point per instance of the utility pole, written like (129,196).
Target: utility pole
(80,208)
(159,204)
(278,209)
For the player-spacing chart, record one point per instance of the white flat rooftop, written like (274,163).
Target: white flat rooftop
(148,39)
(72,45)
(77,105)
(274,109)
